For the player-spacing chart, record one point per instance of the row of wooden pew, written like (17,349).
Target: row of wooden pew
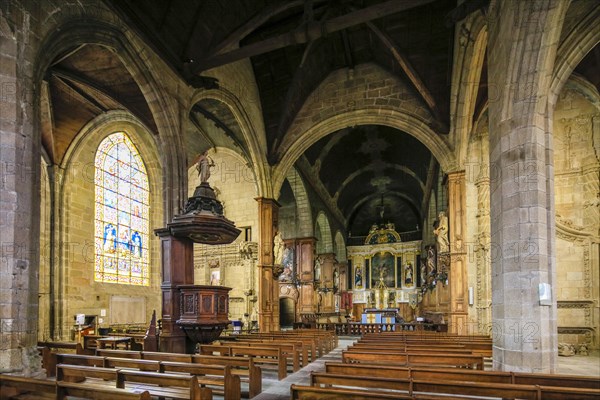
(433,366)
(221,369)
(367,381)
(425,349)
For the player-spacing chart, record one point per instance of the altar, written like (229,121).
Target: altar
(380,316)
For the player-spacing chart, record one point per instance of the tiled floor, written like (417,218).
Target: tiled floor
(274,389)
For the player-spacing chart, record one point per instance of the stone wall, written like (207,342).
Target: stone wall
(77,292)
(577,187)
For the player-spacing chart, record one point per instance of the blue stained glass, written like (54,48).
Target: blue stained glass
(121,215)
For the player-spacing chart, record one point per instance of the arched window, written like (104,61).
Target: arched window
(122,211)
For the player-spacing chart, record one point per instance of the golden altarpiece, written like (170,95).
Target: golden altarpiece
(385,276)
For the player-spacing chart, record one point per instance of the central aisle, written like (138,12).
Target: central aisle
(274,389)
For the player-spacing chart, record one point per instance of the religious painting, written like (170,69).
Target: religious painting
(383,269)
(358,277)
(288,265)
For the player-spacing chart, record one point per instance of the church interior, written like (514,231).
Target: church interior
(353,166)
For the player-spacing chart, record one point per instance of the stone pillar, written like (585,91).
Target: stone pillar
(523,37)
(20,162)
(19,196)
(268,287)
(177,269)
(457,275)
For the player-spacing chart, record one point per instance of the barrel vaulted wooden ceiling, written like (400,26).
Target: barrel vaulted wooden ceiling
(293,45)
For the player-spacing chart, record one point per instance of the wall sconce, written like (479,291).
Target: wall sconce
(471,297)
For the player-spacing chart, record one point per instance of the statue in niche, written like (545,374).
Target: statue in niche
(423,272)
(431,264)
(408,274)
(358,283)
(318,261)
(336,280)
(203,166)
(278,246)
(441,231)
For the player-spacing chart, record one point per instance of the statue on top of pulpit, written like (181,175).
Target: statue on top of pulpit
(204,164)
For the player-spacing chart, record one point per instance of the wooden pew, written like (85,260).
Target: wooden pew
(76,347)
(290,350)
(175,386)
(527,392)
(560,393)
(184,387)
(478,348)
(214,375)
(132,363)
(402,349)
(324,341)
(93,376)
(242,366)
(74,359)
(309,344)
(299,392)
(119,353)
(12,385)
(429,359)
(174,357)
(251,371)
(298,346)
(64,389)
(452,374)
(49,349)
(261,355)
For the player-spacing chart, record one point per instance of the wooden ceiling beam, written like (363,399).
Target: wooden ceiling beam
(307,32)
(267,13)
(83,95)
(406,67)
(68,76)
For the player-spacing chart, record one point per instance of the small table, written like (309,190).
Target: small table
(112,341)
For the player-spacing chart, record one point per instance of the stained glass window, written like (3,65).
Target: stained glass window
(122,211)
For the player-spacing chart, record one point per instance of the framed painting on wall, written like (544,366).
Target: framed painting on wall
(383,267)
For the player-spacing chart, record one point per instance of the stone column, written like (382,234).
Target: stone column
(457,276)
(20,162)
(268,287)
(523,37)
